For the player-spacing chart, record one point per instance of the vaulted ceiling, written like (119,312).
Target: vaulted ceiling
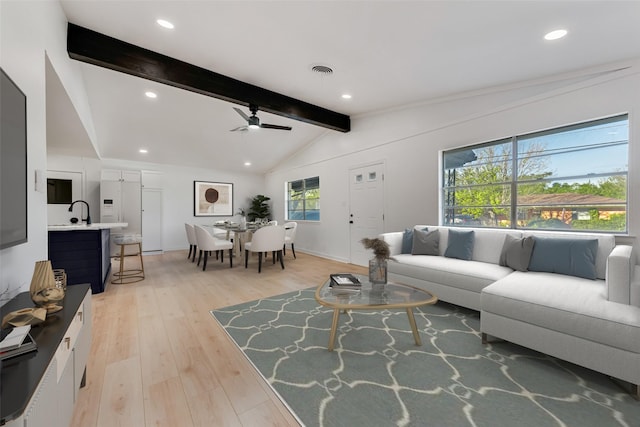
(385,54)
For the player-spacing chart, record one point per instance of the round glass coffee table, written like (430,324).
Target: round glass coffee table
(372,297)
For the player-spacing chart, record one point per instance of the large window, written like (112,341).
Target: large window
(303,199)
(574,178)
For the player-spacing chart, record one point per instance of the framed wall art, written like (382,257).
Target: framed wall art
(212,198)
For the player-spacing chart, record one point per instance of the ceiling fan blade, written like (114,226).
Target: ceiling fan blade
(268,126)
(242,113)
(239,128)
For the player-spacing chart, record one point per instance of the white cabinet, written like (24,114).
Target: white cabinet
(134,197)
(119,175)
(66,393)
(54,399)
(44,401)
(82,346)
(121,201)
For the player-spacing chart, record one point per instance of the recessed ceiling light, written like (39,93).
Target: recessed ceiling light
(555,35)
(143,150)
(247,163)
(164,23)
(151,94)
(346,96)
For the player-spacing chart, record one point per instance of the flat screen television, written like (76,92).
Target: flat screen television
(13,163)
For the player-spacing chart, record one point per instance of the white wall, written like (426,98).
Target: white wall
(409,141)
(177,192)
(28,31)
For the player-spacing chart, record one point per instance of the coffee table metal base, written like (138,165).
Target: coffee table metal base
(336,318)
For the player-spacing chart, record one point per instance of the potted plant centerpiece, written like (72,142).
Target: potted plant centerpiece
(377,264)
(259,208)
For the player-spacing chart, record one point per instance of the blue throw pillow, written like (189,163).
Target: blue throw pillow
(460,244)
(573,257)
(407,241)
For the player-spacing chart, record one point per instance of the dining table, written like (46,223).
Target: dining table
(241,234)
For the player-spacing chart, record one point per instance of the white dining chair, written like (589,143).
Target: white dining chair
(207,243)
(289,237)
(265,239)
(191,238)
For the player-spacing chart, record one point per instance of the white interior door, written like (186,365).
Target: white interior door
(151,220)
(366,195)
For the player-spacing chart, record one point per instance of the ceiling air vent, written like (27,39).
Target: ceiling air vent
(322,69)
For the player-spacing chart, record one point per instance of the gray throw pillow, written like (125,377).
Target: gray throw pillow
(426,242)
(573,257)
(516,252)
(460,244)
(407,241)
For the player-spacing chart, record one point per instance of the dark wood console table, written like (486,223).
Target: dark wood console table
(55,371)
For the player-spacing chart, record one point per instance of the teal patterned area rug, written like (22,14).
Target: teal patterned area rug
(377,376)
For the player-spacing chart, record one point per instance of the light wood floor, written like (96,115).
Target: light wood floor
(158,358)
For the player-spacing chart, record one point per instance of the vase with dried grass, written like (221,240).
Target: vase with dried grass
(43,290)
(377,264)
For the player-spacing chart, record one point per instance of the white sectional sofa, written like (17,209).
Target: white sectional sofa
(592,322)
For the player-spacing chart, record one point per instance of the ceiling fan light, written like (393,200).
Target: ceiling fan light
(253,122)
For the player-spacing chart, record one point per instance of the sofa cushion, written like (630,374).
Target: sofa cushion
(573,257)
(394,240)
(565,304)
(460,244)
(487,242)
(425,242)
(516,252)
(620,270)
(407,241)
(469,275)
(635,287)
(606,243)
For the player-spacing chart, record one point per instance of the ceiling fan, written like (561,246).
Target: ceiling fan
(253,122)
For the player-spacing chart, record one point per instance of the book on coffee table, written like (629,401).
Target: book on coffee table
(345,281)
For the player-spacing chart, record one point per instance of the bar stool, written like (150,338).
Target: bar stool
(129,275)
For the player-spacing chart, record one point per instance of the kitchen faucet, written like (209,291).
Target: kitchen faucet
(88,219)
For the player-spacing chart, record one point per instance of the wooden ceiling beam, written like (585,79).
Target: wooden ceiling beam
(98,49)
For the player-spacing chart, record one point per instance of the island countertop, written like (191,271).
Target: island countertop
(94,226)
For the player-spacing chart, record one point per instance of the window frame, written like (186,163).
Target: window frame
(307,214)
(515,182)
